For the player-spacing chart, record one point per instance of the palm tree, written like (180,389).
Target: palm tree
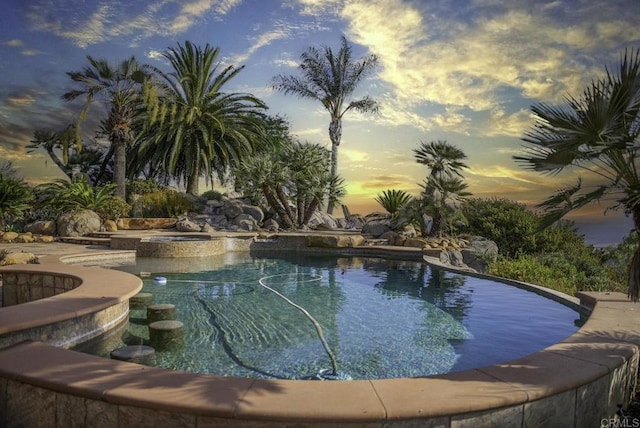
(120,89)
(447,194)
(598,133)
(331,79)
(444,160)
(197,127)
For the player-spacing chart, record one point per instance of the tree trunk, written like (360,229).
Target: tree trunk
(633,290)
(284,200)
(277,206)
(335,134)
(120,167)
(193,184)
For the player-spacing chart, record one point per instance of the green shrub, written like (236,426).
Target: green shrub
(63,196)
(141,187)
(113,209)
(514,228)
(162,203)
(15,199)
(211,195)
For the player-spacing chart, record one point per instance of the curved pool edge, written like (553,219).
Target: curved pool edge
(576,382)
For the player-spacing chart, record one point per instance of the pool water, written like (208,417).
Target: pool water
(381,318)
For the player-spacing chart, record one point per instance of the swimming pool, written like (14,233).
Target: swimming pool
(381,318)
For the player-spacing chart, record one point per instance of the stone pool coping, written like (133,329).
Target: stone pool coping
(577,381)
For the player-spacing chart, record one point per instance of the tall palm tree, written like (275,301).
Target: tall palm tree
(443,159)
(331,79)
(598,133)
(120,90)
(197,126)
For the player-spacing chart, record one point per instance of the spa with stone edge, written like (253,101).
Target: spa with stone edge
(271,331)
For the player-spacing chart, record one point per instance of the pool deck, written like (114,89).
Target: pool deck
(576,382)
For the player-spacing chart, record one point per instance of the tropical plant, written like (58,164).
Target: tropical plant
(598,133)
(194,126)
(63,196)
(120,89)
(392,200)
(162,203)
(442,197)
(294,181)
(15,196)
(442,189)
(113,208)
(442,159)
(331,79)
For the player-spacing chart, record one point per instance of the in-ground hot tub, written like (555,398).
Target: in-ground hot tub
(170,246)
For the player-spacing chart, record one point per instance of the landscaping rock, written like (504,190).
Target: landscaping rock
(415,242)
(321,217)
(479,252)
(25,238)
(78,223)
(9,236)
(187,225)
(146,223)
(452,257)
(19,258)
(41,227)
(253,211)
(110,226)
(334,241)
(271,225)
(45,238)
(393,238)
(232,210)
(207,228)
(375,228)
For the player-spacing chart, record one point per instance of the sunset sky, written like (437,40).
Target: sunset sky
(464,71)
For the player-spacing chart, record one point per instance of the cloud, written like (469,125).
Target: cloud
(102,21)
(262,40)
(388,181)
(354,155)
(19,101)
(14,43)
(484,58)
(154,54)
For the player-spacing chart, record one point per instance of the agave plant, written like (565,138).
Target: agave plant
(393,200)
(64,196)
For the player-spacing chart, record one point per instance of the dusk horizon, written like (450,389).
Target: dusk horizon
(467,73)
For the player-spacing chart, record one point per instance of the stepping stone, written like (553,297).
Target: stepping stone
(166,334)
(136,354)
(161,312)
(141,300)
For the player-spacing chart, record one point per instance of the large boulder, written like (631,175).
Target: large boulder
(41,227)
(376,228)
(479,252)
(271,225)
(334,241)
(187,225)
(321,217)
(254,211)
(78,223)
(232,210)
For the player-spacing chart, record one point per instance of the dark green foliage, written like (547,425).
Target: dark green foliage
(113,209)
(141,187)
(15,199)
(62,196)
(211,195)
(514,228)
(392,200)
(162,203)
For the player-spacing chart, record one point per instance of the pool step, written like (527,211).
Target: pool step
(85,240)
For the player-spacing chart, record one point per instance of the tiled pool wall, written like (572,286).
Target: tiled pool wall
(579,382)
